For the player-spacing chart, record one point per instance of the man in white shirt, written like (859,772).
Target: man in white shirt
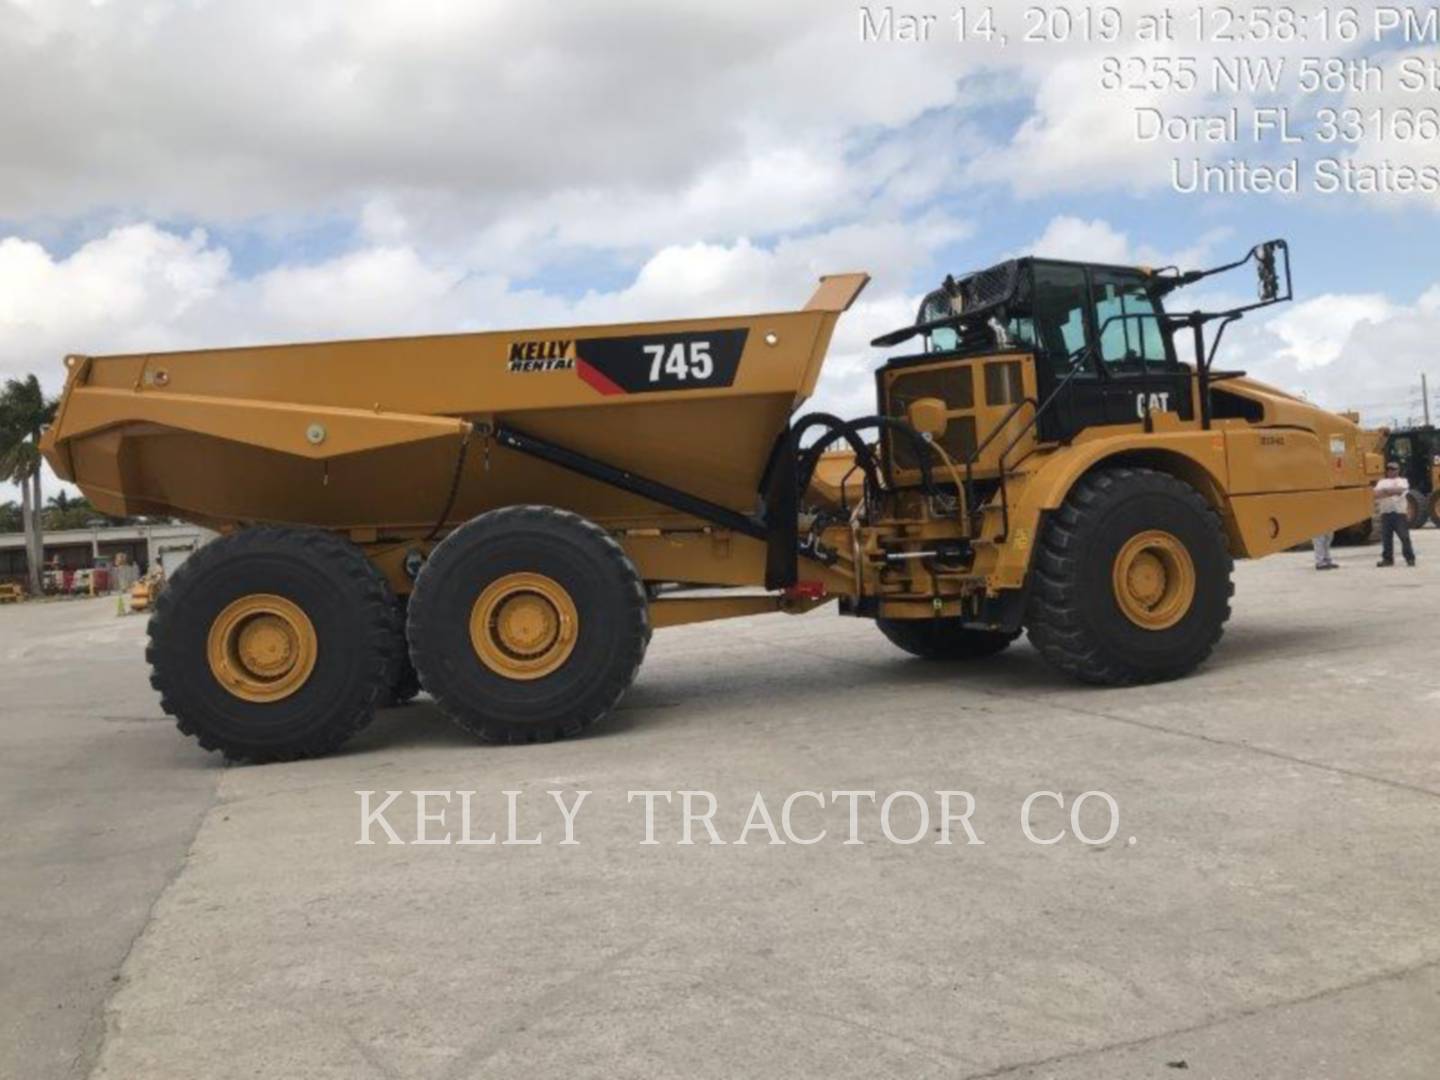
(1394,510)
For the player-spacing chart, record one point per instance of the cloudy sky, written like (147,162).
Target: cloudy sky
(177,173)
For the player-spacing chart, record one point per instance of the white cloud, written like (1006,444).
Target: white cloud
(1096,240)
(468,111)
(1315,332)
(1082,133)
(1077,137)
(1399,126)
(1076,238)
(129,288)
(510,134)
(1361,352)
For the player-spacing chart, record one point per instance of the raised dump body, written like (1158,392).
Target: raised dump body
(368,434)
(503,518)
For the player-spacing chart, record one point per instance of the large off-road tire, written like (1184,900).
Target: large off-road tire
(1415,509)
(1435,508)
(944,639)
(528,624)
(1130,581)
(273,644)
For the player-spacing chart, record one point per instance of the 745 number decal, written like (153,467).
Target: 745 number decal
(688,360)
(680,361)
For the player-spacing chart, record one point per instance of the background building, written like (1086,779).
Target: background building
(79,549)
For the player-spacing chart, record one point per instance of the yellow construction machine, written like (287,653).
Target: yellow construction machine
(514,512)
(1371,442)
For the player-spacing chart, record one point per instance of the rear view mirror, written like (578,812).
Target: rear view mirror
(1266,272)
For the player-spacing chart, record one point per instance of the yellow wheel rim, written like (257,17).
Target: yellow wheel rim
(524,626)
(1154,580)
(261,648)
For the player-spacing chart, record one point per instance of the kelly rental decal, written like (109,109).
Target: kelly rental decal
(690,817)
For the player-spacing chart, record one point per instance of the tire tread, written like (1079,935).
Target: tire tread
(381,622)
(1053,620)
(636,615)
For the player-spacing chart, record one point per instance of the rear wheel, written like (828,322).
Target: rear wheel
(273,644)
(1130,581)
(944,639)
(528,624)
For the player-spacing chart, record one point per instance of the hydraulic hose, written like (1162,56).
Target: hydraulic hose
(834,428)
(849,430)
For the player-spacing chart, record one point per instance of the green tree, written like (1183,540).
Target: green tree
(24,413)
(64,511)
(62,501)
(10,519)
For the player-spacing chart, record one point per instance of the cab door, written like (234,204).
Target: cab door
(1131,367)
(1138,369)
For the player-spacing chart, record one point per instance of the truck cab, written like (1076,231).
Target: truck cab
(1108,319)
(1417,451)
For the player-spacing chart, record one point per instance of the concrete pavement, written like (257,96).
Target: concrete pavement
(1274,915)
(99,802)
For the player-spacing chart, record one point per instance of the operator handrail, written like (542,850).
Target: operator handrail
(980,449)
(1075,368)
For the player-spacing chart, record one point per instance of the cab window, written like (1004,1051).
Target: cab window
(1058,311)
(942,338)
(1130,335)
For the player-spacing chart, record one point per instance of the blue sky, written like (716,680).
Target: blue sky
(182,174)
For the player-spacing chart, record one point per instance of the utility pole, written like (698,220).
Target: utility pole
(1425,396)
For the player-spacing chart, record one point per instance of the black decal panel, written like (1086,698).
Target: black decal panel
(692,360)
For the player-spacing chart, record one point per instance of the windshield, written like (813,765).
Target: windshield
(943,338)
(947,339)
(1055,309)
(1126,317)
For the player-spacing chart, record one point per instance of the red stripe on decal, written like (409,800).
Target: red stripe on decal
(596,378)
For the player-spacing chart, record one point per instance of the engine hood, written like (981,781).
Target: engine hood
(1283,409)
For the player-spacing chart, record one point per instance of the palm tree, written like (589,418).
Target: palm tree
(64,511)
(17,466)
(24,413)
(62,502)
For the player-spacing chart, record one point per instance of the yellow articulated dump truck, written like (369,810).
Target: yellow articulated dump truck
(503,518)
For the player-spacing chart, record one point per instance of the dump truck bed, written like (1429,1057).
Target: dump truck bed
(370,434)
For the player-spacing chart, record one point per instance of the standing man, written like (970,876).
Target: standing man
(1323,561)
(1394,515)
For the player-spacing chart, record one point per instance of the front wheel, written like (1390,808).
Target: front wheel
(528,624)
(944,639)
(1415,509)
(1130,580)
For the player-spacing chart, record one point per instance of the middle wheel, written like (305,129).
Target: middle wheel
(944,639)
(528,624)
